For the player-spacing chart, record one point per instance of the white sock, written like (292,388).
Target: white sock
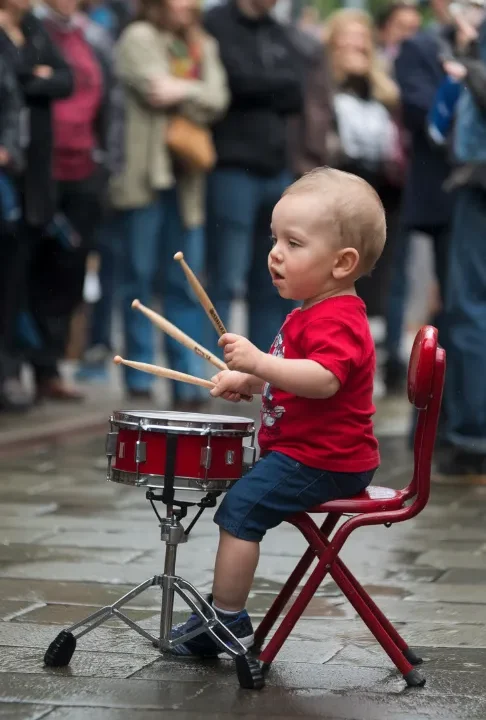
(226,612)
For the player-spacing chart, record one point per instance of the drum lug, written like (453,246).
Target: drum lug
(110,446)
(206,454)
(140,451)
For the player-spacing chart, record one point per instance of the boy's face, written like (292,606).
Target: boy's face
(304,253)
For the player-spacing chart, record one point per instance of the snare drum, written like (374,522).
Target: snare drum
(210,455)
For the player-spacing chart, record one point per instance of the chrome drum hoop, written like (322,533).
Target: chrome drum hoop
(180,483)
(198,424)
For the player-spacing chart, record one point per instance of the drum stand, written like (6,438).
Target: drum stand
(248,669)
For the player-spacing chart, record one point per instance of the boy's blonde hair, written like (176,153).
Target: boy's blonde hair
(352,208)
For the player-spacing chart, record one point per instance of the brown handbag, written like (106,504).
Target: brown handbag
(191,144)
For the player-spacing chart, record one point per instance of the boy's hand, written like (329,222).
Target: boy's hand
(231,385)
(240,354)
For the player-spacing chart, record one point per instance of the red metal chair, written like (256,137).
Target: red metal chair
(374,506)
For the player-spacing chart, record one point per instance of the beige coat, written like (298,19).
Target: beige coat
(141,55)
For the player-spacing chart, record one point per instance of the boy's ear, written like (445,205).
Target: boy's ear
(346,263)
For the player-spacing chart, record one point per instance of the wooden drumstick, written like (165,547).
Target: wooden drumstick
(178,335)
(201,295)
(164,372)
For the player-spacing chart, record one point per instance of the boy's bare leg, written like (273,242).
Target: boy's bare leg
(236,563)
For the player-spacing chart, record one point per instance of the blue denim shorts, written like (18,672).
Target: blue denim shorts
(277,487)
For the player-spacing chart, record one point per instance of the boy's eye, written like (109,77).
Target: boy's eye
(273,240)
(293,244)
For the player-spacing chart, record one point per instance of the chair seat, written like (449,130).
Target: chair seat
(373,499)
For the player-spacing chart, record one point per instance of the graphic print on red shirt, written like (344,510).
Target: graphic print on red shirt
(335,433)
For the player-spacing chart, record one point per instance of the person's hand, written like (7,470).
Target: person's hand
(4,156)
(239,353)
(231,385)
(455,70)
(43,71)
(167,91)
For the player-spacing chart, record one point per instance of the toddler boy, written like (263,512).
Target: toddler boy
(316,439)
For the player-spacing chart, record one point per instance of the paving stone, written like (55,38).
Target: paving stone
(12,607)
(449,559)
(464,576)
(83,664)
(229,699)
(14,554)
(443,658)
(149,540)
(67,615)
(20,535)
(23,711)
(96,572)
(449,592)
(96,594)
(416,612)
(22,510)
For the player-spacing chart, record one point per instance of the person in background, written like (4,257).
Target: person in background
(426,207)
(43,77)
(465,298)
(366,107)
(170,69)
(309,133)
(80,125)
(265,74)
(12,395)
(395,23)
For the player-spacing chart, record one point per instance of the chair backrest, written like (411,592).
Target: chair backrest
(426,374)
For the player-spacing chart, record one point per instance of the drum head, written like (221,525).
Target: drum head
(192,423)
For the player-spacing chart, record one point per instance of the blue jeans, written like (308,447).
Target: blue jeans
(465,389)
(277,487)
(151,236)
(108,247)
(240,206)
(398,292)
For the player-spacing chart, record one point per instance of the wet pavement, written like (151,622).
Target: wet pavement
(71,542)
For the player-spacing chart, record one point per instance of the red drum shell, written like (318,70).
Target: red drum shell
(226,455)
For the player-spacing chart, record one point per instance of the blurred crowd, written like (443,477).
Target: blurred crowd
(132,129)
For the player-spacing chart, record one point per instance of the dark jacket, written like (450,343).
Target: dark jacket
(10,110)
(266,84)
(308,130)
(38,187)
(419,73)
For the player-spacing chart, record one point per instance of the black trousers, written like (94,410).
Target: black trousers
(56,272)
(13,258)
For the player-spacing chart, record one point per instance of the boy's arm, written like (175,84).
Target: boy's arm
(305,378)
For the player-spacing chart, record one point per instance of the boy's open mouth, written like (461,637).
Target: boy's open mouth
(276,275)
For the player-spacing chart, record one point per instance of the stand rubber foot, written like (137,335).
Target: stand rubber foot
(414,679)
(61,650)
(249,673)
(412,658)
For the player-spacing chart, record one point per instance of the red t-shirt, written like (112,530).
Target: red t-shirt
(336,433)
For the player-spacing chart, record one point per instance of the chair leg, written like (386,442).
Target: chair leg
(411,676)
(292,583)
(303,599)
(389,628)
(283,597)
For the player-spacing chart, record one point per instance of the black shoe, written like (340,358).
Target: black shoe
(395,376)
(459,462)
